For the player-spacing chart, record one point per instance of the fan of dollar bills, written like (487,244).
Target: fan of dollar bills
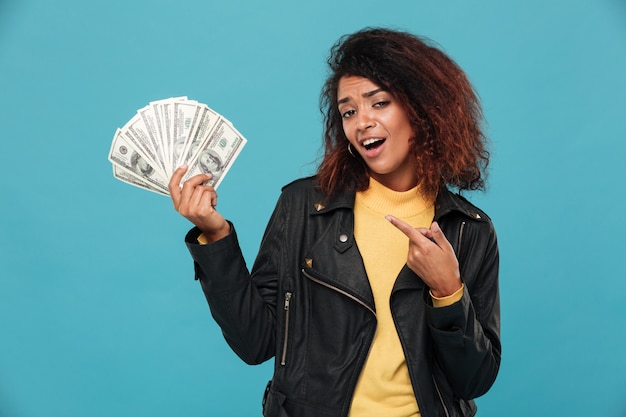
(168,133)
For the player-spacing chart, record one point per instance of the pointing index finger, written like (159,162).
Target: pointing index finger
(405,228)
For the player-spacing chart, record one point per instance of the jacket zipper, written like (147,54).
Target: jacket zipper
(458,249)
(283,358)
(339,290)
(445,409)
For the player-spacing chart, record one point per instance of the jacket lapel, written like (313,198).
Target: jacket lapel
(334,259)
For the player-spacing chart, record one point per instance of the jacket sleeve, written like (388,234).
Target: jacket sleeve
(243,304)
(466,334)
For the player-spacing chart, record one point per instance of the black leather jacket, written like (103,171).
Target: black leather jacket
(308,303)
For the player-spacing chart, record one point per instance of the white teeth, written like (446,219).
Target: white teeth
(371,141)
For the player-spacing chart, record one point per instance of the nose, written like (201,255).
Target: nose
(364,120)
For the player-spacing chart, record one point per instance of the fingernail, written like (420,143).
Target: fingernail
(388,217)
(435,227)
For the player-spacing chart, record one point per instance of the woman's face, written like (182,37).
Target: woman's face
(378,128)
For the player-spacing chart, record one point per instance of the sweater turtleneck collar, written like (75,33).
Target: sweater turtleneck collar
(384,200)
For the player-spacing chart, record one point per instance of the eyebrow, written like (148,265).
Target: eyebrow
(367,94)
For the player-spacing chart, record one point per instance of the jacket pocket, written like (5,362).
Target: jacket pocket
(451,404)
(273,403)
(287,308)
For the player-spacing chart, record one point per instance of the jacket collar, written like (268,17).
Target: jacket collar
(445,203)
(448,202)
(341,200)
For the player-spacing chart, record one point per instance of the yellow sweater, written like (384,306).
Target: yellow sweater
(384,387)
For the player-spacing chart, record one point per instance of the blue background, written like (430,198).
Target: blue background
(99,312)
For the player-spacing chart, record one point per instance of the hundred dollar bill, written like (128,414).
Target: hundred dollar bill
(124,154)
(159,125)
(131,178)
(163,115)
(207,121)
(136,132)
(217,153)
(185,119)
(149,120)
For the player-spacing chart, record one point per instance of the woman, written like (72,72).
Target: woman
(375,287)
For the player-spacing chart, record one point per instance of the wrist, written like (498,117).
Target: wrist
(446,291)
(215,235)
(447,300)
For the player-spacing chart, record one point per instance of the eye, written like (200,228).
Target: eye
(347,114)
(381,103)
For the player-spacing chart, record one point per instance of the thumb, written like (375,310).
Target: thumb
(438,236)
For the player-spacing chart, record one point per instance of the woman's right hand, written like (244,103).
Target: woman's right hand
(196,202)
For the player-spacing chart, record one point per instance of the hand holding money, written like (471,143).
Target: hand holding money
(170,133)
(196,202)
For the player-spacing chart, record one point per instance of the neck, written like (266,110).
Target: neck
(399,183)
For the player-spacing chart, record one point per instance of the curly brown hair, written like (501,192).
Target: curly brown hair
(449,146)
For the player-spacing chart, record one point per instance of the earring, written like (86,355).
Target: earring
(350,150)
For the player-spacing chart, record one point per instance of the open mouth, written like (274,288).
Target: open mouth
(373,143)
